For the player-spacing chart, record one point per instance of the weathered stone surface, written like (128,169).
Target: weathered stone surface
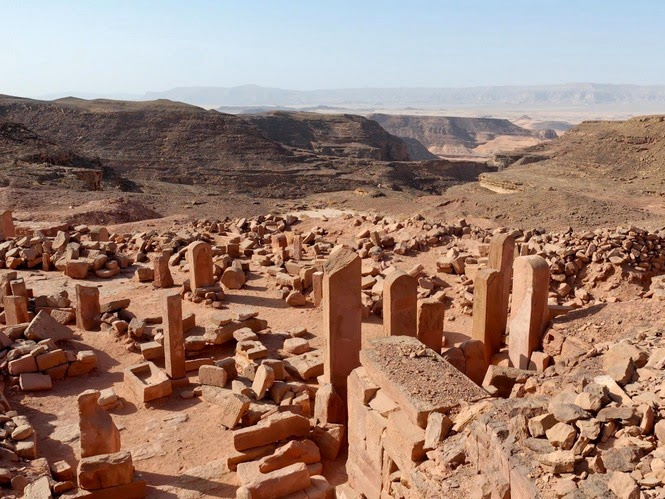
(538,425)
(501,256)
(233,278)
(39,489)
(561,436)
(618,363)
(31,382)
(296,451)
(329,439)
(487,324)
(438,427)
(147,381)
(342,315)
(263,380)
(25,364)
(329,406)
(234,405)
(199,257)
(16,309)
(276,483)
(381,363)
(531,276)
(431,314)
(162,277)
(87,307)
(105,470)
(213,375)
(277,427)
(623,486)
(475,361)
(296,346)
(400,304)
(174,341)
(99,434)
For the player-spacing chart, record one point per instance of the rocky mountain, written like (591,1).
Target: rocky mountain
(344,135)
(633,98)
(170,152)
(460,137)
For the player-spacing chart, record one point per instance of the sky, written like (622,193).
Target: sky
(112,48)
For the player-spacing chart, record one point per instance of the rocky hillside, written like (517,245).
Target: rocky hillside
(346,135)
(168,156)
(461,137)
(598,172)
(151,140)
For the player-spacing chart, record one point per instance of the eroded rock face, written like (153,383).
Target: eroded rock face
(99,434)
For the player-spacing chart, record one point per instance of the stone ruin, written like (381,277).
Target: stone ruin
(412,413)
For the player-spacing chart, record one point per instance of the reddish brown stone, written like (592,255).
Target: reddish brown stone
(342,315)
(400,304)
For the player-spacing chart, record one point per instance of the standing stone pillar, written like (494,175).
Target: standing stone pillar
(317,288)
(199,256)
(486,326)
(342,315)
(501,256)
(400,304)
(7,229)
(297,246)
(16,310)
(431,313)
(161,274)
(174,339)
(87,307)
(99,434)
(278,243)
(5,282)
(531,276)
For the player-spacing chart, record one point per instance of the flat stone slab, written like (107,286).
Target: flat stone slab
(416,378)
(306,366)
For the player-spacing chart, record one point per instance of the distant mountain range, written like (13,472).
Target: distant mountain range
(592,96)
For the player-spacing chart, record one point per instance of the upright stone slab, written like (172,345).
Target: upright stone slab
(88,310)
(162,277)
(342,316)
(297,246)
(486,326)
(7,229)
(278,242)
(199,256)
(431,313)
(174,339)
(317,288)
(99,434)
(501,256)
(531,276)
(5,282)
(16,309)
(18,287)
(400,304)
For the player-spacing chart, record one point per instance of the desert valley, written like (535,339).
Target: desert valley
(332,250)
(298,304)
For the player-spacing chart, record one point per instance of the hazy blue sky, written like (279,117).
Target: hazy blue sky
(134,46)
